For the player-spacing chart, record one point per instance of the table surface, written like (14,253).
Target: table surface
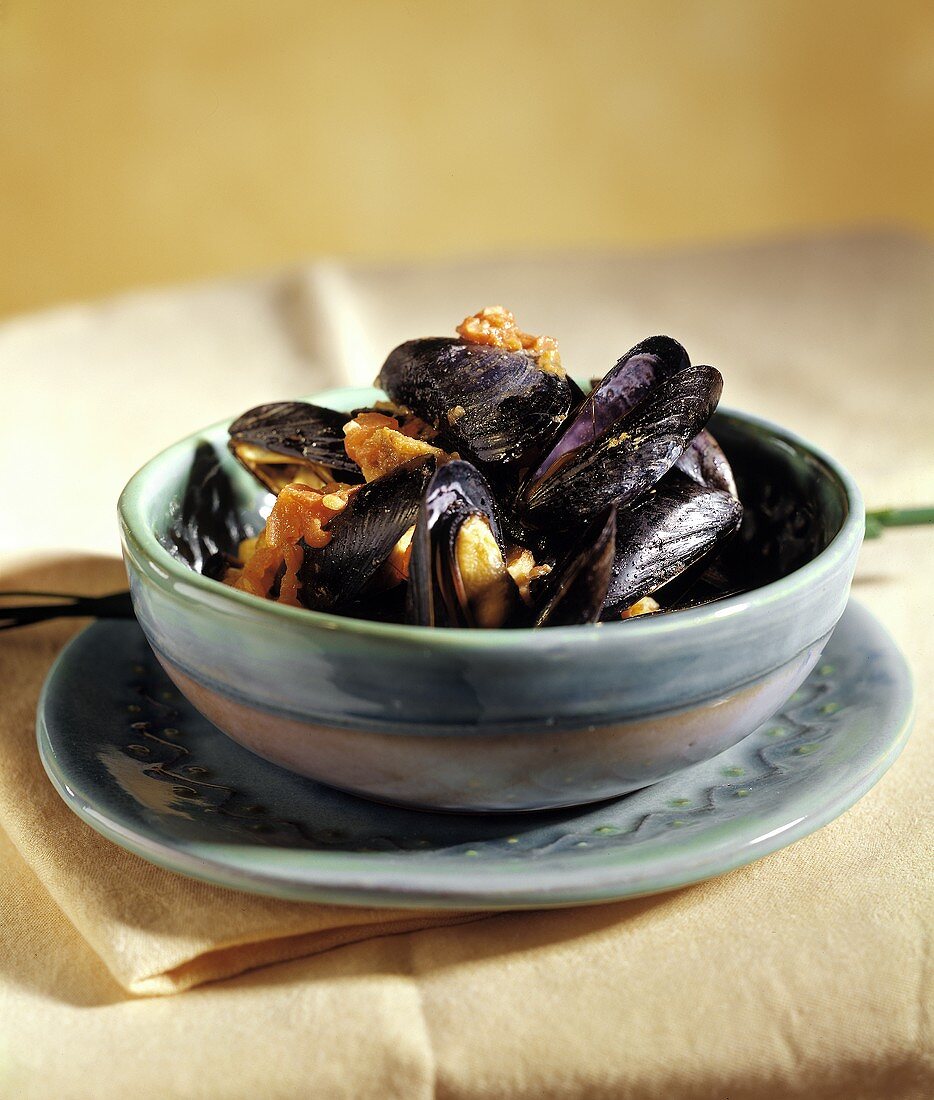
(803,974)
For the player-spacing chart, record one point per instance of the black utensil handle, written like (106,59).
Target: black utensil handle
(117,605)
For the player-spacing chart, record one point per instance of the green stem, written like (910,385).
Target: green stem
(880,518)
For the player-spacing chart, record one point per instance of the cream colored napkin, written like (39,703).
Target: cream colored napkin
(156,931)
(802,975)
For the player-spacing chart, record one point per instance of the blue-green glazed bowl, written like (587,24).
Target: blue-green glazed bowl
(476,720)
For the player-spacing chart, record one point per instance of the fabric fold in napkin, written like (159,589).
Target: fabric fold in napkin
(156,931)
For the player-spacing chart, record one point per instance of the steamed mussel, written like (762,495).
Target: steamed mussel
(292,441)
(458,573)
(497,395)
(630,456)
(489,490)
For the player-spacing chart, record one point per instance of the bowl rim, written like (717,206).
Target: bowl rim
(146,549)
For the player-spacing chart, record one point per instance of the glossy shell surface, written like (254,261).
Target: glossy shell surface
(491,406)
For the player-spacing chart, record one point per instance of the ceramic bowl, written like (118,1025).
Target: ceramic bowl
(505,720)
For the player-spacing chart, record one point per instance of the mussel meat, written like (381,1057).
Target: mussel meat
(457,571)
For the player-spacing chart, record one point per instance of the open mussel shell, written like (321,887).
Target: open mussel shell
(642,367)
(441,589)
(363,535)
(290,441)
(630,456)
(575,590)
(493,406)
(705,463)
(207,529)
(665,533)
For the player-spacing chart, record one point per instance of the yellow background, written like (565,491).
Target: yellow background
(150,142)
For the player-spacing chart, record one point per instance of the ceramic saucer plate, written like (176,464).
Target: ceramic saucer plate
(132,758)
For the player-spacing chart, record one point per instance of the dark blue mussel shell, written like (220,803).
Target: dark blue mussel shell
(363,536)
(665,533)
(624,386)
(304,434)
(575,590)
(705,463)
(627,458)
(435,592)
(628,382)
(495,407)
(207,528)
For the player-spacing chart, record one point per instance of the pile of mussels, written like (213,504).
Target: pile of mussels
(488,491)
